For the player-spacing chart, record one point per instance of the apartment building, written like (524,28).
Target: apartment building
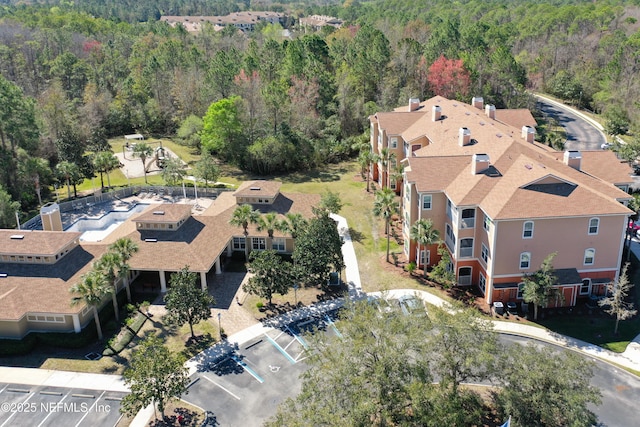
(501,201)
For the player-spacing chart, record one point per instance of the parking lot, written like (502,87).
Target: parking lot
(25,405)
(245,387)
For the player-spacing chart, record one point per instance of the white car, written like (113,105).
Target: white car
(606,146)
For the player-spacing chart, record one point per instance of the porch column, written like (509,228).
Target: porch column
(218,269)
(76,323)
(163,282)
(203,280)
(230,247)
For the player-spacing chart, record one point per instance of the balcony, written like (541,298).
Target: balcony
(451,244)
(468,219)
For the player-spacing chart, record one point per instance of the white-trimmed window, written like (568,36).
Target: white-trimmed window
(277,244)
(486,223)
(525,260)
(520,293)
(594,225)
(527,230)
(393,142)
(258,243)
(482,282)
(426,201)
(425,257)
(406,247)
(239,243)
(589,256)
(585,288)
(484,253)
(392,183)
(45,319)
(407,191)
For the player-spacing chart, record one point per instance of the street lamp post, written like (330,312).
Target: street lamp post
(219,326)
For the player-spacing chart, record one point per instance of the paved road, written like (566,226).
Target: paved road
(620,390)
(581,135)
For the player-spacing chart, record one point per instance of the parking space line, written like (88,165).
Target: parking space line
(281,350)
(246,367)
(12,415)
(299,338)
(53,412)
(87,413)
(333,326)
(215,383)
(3,388)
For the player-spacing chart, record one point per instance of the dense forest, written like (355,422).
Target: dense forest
(73,74)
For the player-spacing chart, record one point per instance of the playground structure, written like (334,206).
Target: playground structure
(159,156)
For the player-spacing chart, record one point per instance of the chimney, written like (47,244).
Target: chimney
(414,104)
(464,136)
(490,110)
(528,133)
(573,159)
(477,102)
(437,113)
(479,163)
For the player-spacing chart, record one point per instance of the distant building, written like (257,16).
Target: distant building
(316,22)
(244,21)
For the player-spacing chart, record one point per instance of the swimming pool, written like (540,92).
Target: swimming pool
(96,229)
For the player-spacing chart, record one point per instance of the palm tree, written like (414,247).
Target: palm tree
(293,224)
(67,170)
(364,160)
(105,162)
(91,290)
(143,151)
(243,216)
(424,234)
(269,222)
(386,158)
(396,176)
(107,266)
(125,248)
(385,206)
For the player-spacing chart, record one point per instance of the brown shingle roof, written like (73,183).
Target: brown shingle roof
(40,288)
(166,212)
(446,166)
(604,164)
(517,118)
(35,242)
(259,188)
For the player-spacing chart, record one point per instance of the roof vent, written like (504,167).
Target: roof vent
(3,275)
(158,212)
(17,236)
(436,113)
(254,188)
(151,240)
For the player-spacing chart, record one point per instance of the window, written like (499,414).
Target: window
(468,218)
(486,223)
(466,248)
(393,143)
(406,247)
(46,319)
(594,224)
(426,201)
(589,256)
(585,289)
(425,257)
(527,230)
(239,243)
(482,283)
(484,254)
(520,290)
(392,184)
(277,244)
(407,192)
(258,243)
(525,260)
(464,276)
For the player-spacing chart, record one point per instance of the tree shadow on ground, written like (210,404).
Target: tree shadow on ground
(356,236)
(179,417)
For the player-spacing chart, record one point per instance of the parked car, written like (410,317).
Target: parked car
(606,146)
(634,226)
